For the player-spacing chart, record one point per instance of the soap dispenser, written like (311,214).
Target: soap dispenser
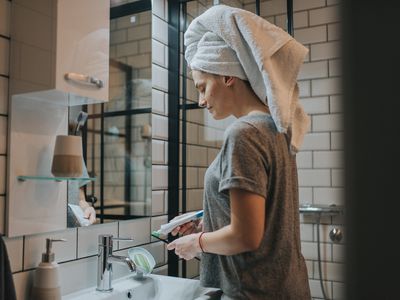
(46,284)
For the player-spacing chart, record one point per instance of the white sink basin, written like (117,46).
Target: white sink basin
(152,287)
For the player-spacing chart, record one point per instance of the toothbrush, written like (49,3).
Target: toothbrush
(157,236)
(167,228)
(80,120)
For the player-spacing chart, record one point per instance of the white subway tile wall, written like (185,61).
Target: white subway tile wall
(320,163)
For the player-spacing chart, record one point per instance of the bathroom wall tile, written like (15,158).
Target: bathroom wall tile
(35,245)
(127,49)
(316,141)
(139,32)
(158,251)
(157,203)
(338,178)
(328,196)
(158,53)
(304,159)
(159,77)
(300,20)
(309,4)
(315,105)
(88,237)
(315,288)
(156,223)
(192,133)
(78,274)
(194,200)
(5,12)
(305,195)
(160,126)
(330,271)
(337,140)
(4,56)
(328,159)
(332,122)
(138,229)
(334,32)
(157,150)
(161,270)
(159,177)
(196,156)
(324,15)
(3,134)
(336,103)
(310,268)
(202,172)
(157,102)
(3,95)
(271,8)
(314,178)
(15,252)
(339,290)
(23,282)
(306,232)
(311,35)
(325,50)
(304,88)
(158,8)
(2,175)
(313,70)
(160,30)
(339,253)
(310,251)
(328,86)
(335,67)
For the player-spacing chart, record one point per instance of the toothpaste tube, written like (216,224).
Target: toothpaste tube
(167,228)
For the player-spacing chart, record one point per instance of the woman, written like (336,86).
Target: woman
(249,235)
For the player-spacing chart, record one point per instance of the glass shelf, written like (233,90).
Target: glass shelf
(321,209)
(52,178)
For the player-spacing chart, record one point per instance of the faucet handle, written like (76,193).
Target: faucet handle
(123,239)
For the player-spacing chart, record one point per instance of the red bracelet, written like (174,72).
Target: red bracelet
(201,246)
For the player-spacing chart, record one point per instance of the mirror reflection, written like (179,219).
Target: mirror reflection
(117,135)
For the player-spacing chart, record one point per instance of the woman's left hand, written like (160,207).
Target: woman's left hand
(187,246)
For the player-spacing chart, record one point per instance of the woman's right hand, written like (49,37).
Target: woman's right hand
(189,228)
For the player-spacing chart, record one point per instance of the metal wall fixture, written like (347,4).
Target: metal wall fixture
(335,234)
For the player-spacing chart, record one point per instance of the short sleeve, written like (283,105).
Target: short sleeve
(243,162)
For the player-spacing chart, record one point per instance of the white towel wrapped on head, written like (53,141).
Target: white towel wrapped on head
(234,42)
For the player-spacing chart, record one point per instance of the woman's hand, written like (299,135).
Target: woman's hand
(189,228)
(90,214)
(187,246)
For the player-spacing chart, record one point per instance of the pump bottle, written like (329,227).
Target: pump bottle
(46,284)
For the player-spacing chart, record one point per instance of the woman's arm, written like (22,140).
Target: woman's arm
(244,233)
(246,229)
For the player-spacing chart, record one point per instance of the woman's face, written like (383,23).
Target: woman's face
(214,94)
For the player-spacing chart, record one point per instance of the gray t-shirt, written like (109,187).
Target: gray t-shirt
(256,158)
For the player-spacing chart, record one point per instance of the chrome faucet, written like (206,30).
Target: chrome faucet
(105,258)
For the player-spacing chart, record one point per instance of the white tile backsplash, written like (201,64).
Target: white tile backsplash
(88,237)
(315,105)
(15,249)
(311,35)
(311,177)
(138,229)
(78,274)
(35,245)
(324,15)
(23,283)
